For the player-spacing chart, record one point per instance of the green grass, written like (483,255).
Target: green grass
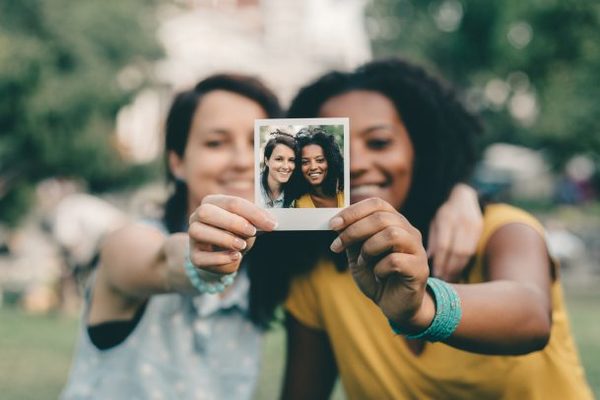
(583,311)
(35,351)
(35,354)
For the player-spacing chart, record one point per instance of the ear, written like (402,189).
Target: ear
(176,166)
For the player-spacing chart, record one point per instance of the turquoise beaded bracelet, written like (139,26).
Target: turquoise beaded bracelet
(200,284)
(448,313)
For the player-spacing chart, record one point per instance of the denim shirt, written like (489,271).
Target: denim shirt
(271,203)
(184,347)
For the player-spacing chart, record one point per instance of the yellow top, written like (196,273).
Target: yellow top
(376,364)
(305,201)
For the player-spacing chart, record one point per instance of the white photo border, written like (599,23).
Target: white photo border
(302,219)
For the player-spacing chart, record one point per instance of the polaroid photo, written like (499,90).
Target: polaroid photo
(302,170)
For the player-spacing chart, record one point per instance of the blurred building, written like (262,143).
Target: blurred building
(284,42)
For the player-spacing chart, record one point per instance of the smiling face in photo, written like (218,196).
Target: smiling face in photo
(314,164)
(281,163)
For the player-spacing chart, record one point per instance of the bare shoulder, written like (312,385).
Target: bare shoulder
(518,251)
(516,237)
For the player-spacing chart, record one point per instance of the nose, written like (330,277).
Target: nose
(313,165)
(243,156)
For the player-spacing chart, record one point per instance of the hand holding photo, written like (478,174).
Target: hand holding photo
(302,166)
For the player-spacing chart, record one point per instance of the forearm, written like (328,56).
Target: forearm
(171,268)
(139,262)
(499,317)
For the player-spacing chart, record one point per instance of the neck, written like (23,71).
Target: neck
(274,187)
(320,199)
(318,191)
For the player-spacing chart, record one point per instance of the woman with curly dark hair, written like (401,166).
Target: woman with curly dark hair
(384,324)
(322,170)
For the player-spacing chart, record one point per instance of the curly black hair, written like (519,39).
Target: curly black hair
(286,139)
(334,180)
(442,132)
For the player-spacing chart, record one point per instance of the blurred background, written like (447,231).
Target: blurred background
(84,88)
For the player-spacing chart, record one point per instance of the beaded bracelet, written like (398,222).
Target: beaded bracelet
(448,313)
(200,284)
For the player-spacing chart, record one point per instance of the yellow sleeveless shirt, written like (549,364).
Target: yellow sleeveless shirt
(376,364)
(305,201)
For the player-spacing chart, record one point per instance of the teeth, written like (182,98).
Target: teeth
(364,190)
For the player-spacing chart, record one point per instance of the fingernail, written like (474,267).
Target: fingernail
(336,245)
(336,223)
(235,255)
(239,244)
(273,224)
(250,230)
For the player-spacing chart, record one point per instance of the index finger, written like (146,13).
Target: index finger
(358,211)
(258,217)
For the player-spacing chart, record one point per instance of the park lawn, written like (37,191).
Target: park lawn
(583,311)
(35,354)
(35,351)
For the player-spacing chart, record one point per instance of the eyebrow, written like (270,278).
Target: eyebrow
(378,127)
(315,157)
(219,131)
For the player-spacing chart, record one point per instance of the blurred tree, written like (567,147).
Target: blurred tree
(338,133)
(65,70)
(530,67)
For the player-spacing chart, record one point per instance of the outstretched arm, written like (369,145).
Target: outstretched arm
(136,262)
(509,314)
(139,260)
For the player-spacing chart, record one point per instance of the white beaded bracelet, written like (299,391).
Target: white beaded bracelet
(200,284)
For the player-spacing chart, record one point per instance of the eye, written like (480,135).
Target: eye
(304,161)
(378,144)
(214,143)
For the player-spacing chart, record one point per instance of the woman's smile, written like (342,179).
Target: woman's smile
(284,173)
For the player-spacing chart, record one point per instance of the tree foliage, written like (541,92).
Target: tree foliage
(61,85)
(530,67)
